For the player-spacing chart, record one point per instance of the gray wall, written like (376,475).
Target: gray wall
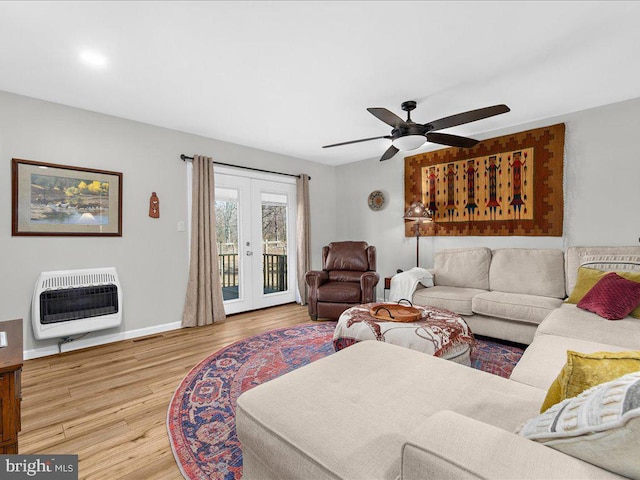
(151,256)
(601,198)
(602,171)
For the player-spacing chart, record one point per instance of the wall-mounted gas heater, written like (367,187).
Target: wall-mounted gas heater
(76,301)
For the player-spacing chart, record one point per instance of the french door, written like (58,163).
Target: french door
(255,229)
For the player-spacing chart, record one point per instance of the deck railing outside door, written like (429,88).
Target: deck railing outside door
(274,271)
(228,263)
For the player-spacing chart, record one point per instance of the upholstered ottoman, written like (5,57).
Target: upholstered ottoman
(438,332)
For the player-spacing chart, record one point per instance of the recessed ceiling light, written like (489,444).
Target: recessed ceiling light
(93,58)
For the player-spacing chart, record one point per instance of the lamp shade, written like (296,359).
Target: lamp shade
(409,142)
(417,211)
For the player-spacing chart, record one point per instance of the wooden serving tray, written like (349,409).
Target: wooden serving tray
(395,313)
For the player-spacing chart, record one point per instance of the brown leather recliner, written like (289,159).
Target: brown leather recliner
(348,278)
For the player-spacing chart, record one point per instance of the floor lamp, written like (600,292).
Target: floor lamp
(418,213)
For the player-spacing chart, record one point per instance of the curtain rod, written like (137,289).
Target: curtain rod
(184,158)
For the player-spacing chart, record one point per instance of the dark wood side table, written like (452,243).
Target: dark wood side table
(10,386)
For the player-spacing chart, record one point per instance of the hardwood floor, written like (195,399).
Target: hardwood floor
(108,404)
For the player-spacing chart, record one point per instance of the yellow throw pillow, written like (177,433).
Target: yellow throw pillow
(585,370)
(588,277)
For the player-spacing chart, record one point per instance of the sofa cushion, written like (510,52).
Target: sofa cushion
(543,360)
(345,276)
(528,270)
(463,267)
(341,292)
(585,370)
(613,297)
(576,256)
(347,256)
(347,415)
(453,446)
(514,306)
(570,321)
(600,426)
(456,299)
(518,332)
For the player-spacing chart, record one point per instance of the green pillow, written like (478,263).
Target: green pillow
(585,370)
(588,277)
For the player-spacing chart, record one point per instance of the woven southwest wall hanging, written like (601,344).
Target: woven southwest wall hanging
(510,185)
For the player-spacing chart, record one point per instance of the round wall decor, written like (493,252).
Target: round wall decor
(376,200)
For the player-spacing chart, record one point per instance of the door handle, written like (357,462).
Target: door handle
(249,253)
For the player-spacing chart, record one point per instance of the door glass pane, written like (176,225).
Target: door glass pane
(227,238)
(274,242)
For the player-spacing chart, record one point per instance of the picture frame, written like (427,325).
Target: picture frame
(59,200)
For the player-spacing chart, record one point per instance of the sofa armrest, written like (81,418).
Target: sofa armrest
(451,446)
(368,282)
(315,278)
(432,271)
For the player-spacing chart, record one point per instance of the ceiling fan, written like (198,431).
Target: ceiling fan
(408,135)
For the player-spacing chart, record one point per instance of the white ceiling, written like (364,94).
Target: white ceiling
(290,76)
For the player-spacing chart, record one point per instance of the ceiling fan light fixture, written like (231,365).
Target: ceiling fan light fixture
(409,142)
(409,135)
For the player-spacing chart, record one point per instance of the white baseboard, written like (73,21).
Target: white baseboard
(100,340)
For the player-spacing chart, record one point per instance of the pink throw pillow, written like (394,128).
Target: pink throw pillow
(613,297)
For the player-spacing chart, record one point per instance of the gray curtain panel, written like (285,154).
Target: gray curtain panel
(303,234)
(203,304)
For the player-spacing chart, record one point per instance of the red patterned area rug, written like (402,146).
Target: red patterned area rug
(201,416)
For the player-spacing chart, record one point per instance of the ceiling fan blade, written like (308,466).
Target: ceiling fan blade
(467,117)
(386,116)
(451,140)
(391,151)
(356,141)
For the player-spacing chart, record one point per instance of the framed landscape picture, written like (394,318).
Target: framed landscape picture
(48,199)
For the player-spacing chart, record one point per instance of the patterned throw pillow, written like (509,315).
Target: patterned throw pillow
(600,426)
(612,263)
(588,277)
(585,370)
(613,297)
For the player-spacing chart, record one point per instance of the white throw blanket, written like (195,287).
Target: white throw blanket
(404,284)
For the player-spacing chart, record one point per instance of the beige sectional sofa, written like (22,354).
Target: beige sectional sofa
(504,293)
(378,411)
